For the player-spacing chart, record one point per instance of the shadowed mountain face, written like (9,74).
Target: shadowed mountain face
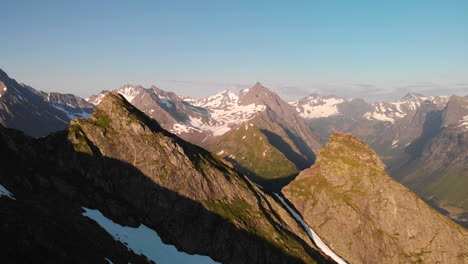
(272,147)
(326,114)
(124,164)
(37,113)
(367,217)
(437,169)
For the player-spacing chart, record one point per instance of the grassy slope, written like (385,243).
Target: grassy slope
(249,147)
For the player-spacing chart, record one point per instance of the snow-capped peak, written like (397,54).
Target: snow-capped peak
(223,100)
(225,110)
(315,106)
(392,111)
(96,99)
(130,92)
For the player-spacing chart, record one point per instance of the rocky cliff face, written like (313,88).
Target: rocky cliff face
(124,164)
(367,217)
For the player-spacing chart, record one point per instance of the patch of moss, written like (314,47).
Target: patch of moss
(103,121)
(77,137)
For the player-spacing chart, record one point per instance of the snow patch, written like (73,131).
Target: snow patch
(225,111)
(108,261)
(129,92)
(96,100)
(144,240)
(315,238)
(464,123)
(317,107)
(392,111)
(166,102)
(72,115)
(5,192)
(60,119)
(180,128)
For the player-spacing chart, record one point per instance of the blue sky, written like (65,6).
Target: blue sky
(372,49)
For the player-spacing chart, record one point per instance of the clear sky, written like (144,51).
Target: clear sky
(371,49)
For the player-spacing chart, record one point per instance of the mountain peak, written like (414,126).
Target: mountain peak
(343,145)
(258,86)
(116,112)
(410,96)
(259,91)
(362,203)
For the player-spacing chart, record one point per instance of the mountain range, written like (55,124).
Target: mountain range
(421,140)
(276,183)
(241,127)
(37,113)
(123,164)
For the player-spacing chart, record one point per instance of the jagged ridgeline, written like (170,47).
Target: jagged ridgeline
(125,165)
(278,145)
(367,217)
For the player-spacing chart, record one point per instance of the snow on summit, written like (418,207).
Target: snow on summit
(225,110)
(392,111)
(317,107)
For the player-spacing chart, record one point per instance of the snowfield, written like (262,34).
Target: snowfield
(318,107)
(5,192)
(145,241)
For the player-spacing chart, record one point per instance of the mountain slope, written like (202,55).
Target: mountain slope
(37,113)
(438,169)
(251,151)
(193,120)
(211,122)
(367,217)
(273,146)
(327,114)
(124,164)
(390,127)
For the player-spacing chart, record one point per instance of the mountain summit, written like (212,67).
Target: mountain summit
(367,217)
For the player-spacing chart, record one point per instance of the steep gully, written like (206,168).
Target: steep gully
(313,236)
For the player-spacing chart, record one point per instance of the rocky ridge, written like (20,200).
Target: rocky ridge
(367,217)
